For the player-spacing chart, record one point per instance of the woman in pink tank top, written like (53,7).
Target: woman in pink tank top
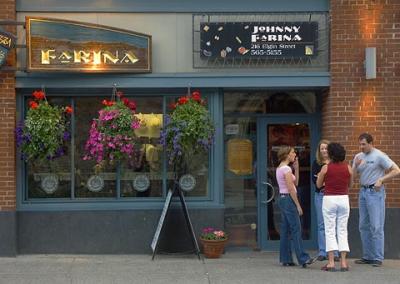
(290,210)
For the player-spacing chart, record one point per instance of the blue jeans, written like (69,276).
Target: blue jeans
(290,231)
(372,219)
(320,225)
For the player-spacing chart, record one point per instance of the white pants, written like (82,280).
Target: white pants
(336,210)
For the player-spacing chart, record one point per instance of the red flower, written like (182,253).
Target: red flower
(172,106)
(196,96)
(125,101)
(132,106)
(183,100)
(120,94)
(69,109)
(107,103)
(33,104)
(38,95)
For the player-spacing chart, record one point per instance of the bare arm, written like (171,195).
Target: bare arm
(351,176)
(292,191)
(296,171)
(356,162)
(321,176)
(393,171)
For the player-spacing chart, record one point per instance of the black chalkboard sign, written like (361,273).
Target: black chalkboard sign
(161,221)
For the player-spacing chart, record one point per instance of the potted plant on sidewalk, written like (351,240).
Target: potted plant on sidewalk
(213,241)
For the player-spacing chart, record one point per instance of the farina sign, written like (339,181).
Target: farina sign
(61,45)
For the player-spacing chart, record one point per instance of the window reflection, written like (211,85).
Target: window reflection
(269,102)
(143,177)
(241,182)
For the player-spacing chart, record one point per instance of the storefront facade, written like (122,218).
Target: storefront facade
(257,103)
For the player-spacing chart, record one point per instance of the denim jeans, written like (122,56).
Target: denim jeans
(372,219)
(290,231)
(320,223)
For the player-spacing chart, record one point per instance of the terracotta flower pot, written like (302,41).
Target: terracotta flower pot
(213,248)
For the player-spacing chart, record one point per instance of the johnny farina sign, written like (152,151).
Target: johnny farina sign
(259,40)
(60,45)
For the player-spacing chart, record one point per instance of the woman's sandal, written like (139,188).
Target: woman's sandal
(344,269)
(327,268)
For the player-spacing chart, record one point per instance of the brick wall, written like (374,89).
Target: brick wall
(354,104)
(7,119)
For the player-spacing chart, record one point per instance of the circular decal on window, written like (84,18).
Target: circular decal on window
(187,182)
(95,183)
(49,183)
(141,183)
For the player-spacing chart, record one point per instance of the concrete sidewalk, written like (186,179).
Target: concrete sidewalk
(233,267)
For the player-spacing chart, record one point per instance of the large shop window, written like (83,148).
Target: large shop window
(146,177)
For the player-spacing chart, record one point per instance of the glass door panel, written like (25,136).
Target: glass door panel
(274,135)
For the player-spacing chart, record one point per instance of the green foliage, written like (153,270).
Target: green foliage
(44,132)
(189,130)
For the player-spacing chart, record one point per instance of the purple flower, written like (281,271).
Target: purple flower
(66,136)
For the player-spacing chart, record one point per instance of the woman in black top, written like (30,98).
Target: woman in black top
(321,158)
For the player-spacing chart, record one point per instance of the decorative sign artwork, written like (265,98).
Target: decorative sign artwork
(49,183)
(95,183)
(60,45)
(232,129)
(7,42)
(240,156)
(187,182)
(258,40)
(141,183)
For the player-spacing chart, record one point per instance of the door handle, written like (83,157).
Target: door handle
(269,186)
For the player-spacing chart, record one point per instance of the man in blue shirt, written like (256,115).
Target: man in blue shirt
(374,168)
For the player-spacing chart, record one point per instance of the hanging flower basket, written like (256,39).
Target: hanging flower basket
(45,133)
(189,130)
(111,136)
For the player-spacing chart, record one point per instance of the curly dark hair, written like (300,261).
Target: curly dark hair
(336,152)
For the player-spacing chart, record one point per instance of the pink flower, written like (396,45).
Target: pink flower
(135,124)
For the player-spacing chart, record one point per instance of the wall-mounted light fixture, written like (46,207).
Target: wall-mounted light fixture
(370,63)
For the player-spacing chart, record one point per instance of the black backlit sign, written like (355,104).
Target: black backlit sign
(7,42)
(258,40)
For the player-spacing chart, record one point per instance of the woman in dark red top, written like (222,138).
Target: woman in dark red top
(335,205)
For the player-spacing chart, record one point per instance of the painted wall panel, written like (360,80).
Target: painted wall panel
(181,6)
(172,39)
